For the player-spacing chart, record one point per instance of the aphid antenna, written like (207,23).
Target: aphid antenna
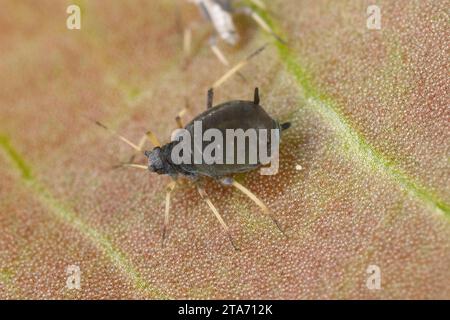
(154,140)
(131,144)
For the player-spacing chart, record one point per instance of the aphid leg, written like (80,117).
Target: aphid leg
(256,96)
(260,21)
(182,113)
(220,56)
(210,98)
(169,190)
(205,197)
(237,67)
(187,42)
(185,32)
(217,52)
(254,198)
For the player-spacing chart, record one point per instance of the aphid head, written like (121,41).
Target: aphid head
(156,161)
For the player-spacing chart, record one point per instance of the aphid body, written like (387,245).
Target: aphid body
(236,114)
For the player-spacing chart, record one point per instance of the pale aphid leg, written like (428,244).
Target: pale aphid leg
(237,67)
(260,21)
(254,198)
(217,52)
(220,56)
(205,197)
(181,114)
(187,42)
(169,189)
(185,33)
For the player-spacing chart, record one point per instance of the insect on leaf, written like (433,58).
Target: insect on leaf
(363,189)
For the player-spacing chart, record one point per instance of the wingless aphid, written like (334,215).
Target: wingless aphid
(220,14)
(236,114)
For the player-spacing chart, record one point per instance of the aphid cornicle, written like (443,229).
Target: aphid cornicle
(237,114)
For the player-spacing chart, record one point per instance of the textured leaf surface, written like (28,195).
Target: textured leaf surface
(370,133)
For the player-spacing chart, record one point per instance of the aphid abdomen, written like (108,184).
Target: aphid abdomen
(234,115)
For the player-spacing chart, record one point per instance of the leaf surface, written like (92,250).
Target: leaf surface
(364,173)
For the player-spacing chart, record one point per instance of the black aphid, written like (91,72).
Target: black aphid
(237,114)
